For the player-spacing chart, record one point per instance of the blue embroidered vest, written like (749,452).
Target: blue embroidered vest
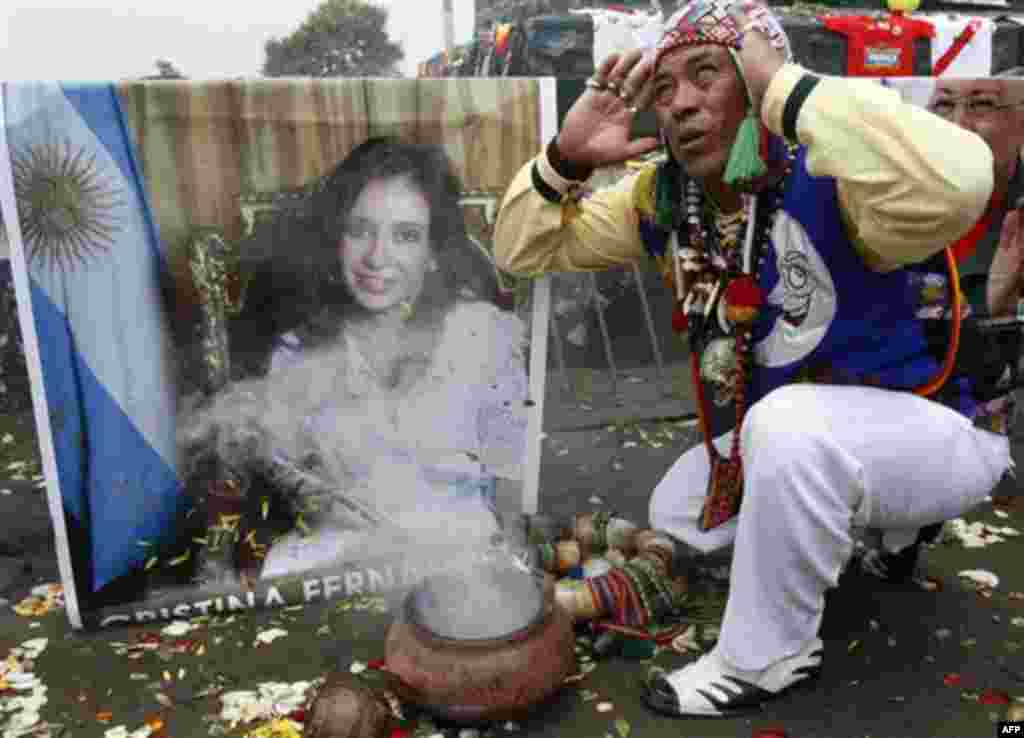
(828,317)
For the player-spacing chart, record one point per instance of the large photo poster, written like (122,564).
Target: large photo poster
(272,358)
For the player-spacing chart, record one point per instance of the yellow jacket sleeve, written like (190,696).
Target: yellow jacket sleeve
(909,182)
(533,236)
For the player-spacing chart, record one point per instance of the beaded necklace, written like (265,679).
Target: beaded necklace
(717,294)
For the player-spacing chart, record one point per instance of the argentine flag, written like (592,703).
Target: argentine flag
(94,266)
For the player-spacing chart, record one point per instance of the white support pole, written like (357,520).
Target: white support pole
(44,431)
(539,333)
(449,29)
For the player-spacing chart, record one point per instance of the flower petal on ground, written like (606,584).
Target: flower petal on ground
(977,534)
(994,697)
(952,679)
(981,577)
(773,732)
(270,635)
(687,642)
(179,628)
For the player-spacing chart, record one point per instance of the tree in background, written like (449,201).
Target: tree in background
(341,38)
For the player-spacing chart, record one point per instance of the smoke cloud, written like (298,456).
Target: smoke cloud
(365,499)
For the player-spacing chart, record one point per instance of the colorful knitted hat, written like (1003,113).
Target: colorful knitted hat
(720,22)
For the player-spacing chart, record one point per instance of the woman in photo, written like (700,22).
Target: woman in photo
(390,372)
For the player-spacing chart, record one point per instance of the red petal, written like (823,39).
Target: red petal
(952,680)
(994,697)
(775,732)
(400,733)
(298,716)
(376,664)
(679,320)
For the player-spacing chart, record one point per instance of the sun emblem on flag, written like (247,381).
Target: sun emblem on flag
(67,207)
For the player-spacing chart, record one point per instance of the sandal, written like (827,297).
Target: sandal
(706,688)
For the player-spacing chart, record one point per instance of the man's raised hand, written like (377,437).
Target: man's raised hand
(596,129)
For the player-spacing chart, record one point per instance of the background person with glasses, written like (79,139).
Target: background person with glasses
(991,261)
(990,258)
(992,267)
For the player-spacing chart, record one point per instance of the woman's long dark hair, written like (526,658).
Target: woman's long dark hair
(292,261)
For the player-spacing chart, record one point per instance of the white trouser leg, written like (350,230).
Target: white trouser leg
(818,460)
(677,500)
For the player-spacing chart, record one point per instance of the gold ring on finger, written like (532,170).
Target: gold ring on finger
(613,86)
(595,84)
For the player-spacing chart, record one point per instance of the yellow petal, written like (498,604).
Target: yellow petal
(643,190)
(181,559)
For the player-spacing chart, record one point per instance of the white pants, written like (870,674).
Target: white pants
(819,461)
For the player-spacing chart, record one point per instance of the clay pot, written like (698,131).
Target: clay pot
(345,707)
(477,680)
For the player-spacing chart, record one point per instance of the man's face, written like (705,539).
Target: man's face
(699,102)
(979,106)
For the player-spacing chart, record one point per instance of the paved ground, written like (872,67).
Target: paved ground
(900,660)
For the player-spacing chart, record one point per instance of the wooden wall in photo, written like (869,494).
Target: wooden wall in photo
(203,145)
(392,108)
(489,127)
